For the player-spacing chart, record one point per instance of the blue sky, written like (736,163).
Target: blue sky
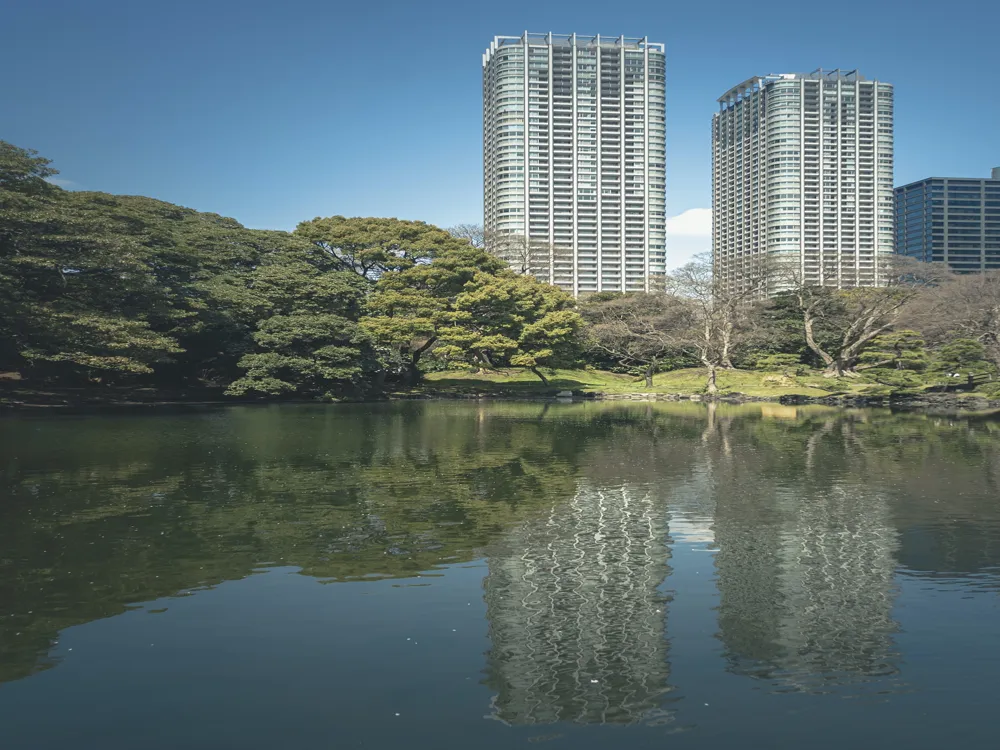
(275,112)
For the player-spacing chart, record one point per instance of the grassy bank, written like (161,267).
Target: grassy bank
(686,382)
(500,383)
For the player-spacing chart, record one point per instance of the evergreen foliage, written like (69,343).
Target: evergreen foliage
(105,290)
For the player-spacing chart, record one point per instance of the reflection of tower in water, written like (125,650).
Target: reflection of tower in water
(576,619)
(806,586)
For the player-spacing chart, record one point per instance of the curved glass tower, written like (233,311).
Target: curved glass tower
(573,157)
(802,173)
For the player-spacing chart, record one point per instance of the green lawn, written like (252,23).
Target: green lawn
(524,381)
(687,382)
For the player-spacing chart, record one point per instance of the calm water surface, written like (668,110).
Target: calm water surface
(461,575)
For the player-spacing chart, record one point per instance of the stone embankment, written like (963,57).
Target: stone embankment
(927,402)
(935,402)
(728,398)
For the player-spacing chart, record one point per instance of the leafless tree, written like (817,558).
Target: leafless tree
(515,250)
(851,319)
(723,316)
(960,306)
(472,233)
(637,330)
(532,257)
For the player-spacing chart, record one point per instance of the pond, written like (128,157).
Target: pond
(499,574)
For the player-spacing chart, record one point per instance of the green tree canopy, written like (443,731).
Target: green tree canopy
(307,337)
(900,350)
(505,319)
(409,307)
(964,355)
(75,295)
(186,254)
(469,307)
(373,246)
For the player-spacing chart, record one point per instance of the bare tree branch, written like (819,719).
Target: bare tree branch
(724,314)
(637,330)
(853,318)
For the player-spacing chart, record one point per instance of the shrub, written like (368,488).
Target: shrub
(991,390)
(787,364)
(895,378)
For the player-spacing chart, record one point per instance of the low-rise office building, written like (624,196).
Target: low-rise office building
(952,220)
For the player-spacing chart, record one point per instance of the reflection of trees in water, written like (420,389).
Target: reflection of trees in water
(101,512)
(812,514)
(576,620)
(139,507)
(964,548)
(805,562)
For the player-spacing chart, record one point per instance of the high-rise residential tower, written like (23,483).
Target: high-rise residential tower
(953,220)
(573,152)
(802,174)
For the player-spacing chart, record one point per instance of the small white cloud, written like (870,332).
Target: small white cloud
(688,235)
(59,182)
(682,249)
(694,221)
(692,531)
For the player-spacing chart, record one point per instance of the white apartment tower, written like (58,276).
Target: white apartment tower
(573,157)
(803,175)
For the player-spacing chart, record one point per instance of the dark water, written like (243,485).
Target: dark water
(451,575)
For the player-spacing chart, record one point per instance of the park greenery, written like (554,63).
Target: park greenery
(101,292)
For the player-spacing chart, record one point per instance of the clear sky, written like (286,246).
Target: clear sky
(275,112)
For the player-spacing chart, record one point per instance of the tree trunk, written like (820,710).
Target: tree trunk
(413,374)
(649,373)
(724,358)
(711,387)
(837,368)
(850,352)
(807,324)
(539,374)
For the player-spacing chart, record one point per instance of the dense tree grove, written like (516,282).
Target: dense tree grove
(107,290)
